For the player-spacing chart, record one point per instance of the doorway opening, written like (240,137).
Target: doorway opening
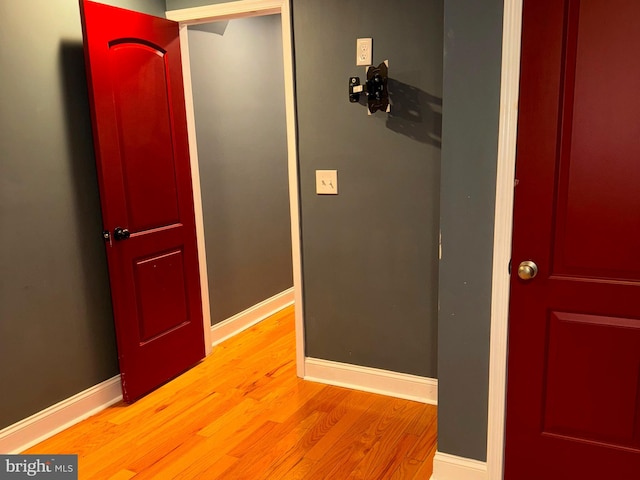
(213,21)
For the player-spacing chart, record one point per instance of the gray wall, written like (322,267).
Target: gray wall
(238,88)
(56,326)
(473,42)
(151,7)
(370,254)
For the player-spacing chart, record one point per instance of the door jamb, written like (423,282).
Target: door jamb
(228,11)
(503,234)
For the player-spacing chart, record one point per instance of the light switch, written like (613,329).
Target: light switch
(327,182)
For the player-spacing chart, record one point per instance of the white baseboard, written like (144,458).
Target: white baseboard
(400,385)
(248,318)
(36,428)
(451,467)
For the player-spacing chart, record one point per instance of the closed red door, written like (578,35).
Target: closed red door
(573,395)
(140,135)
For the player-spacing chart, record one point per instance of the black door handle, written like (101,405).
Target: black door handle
(121,233)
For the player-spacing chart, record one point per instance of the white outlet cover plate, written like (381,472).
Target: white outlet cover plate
(327,182)
(364,51)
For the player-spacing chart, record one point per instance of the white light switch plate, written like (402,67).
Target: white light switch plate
(327,182)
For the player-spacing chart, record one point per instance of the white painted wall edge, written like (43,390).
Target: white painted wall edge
(502,236)
(451,467)
(374,380)
(46,423)
(241,321)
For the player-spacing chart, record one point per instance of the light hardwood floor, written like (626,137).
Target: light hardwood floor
(243,414)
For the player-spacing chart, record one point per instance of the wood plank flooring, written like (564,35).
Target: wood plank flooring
(243,414)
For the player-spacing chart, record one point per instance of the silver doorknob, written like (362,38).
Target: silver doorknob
(527,270)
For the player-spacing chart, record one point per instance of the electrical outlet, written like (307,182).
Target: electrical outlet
(327,182)
(364,51)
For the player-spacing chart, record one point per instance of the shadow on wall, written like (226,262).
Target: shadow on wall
(414,113)
(88,216)
(214,27)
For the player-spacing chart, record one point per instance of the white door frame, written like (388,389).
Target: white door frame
(228,11)
(503,233)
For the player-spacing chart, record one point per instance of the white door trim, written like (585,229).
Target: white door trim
(452,467)
(197,192)
(503,231)
(226,11)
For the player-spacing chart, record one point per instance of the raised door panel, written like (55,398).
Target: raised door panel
(143,112)
(600,147)
(160,294)
(584,399)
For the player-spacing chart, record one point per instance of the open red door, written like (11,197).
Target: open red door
(573,394)
(139,126)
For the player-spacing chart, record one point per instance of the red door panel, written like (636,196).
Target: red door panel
(140,71)
(160,294)
(573,394)
(140,135)
(600,133)
(610,414)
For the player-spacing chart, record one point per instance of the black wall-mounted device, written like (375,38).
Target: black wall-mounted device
(375,88)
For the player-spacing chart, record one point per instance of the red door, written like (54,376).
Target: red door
(573,395)
(139,125)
